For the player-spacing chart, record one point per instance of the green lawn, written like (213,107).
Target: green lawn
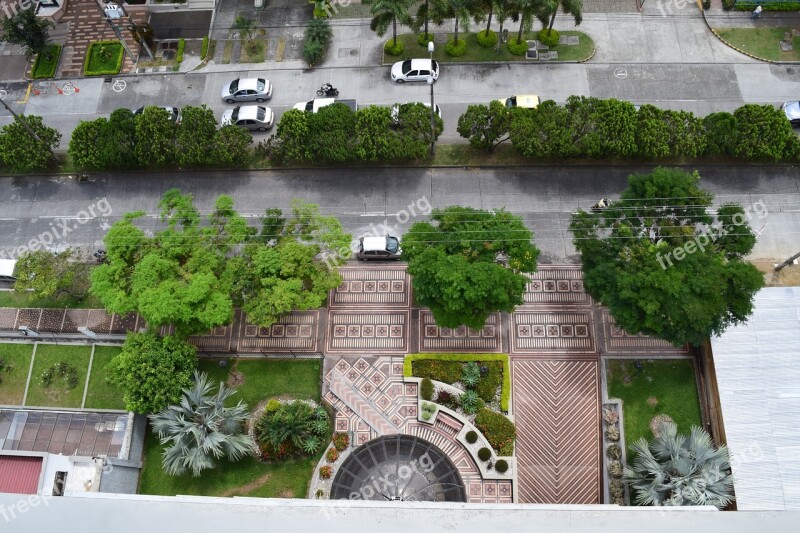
(43,68)
(668,384)
(103,57)
(23,299)
(12,388)
(48,355)
(475,52)
(267,378)
(250,477)
(255,52)
(763,43)
(102,395)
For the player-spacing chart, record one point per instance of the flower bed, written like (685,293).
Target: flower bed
(103,57)
(46,62)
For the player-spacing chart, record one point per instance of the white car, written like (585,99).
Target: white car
(415,70)
(247,90)
(252,117)
(792,112)
(314,105)
(384,247)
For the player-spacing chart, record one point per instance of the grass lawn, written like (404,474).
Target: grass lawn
(665,386)
(12,387)
(761,42)
(227,52)
(102,395)
(264,378)
(254,52)
(43,68)
(58,395)
(250,477)
(103,57)
(475,52)
(23,299)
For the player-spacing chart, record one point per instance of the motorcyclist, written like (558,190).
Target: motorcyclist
(328,90)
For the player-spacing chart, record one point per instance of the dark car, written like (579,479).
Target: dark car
(383,247)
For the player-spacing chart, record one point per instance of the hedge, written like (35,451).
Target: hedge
(204,48)
(505,391)
(498,430)
(43,68)
(102,72)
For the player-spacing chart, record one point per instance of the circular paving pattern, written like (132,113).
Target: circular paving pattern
(398,468)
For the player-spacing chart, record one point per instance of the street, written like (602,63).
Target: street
(62,212)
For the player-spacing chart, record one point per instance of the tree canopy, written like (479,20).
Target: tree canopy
(663,264)
(55,274)
(467,263)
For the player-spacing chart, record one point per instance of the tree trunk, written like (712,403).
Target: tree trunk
(456,34)
(490,21)
(394,31)
(552,20)
(427,13)
(519,34)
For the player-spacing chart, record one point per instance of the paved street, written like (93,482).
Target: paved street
(59,209)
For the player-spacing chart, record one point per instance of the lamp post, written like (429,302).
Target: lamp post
(433,107)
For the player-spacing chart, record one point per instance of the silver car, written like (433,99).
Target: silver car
(247,90)
(792,111)
(252,117)
(174,112)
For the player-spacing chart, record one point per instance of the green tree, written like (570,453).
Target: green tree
(414,126)
(525,10)
(763,133)
(665,133)
(27,30)
(467,263)
(196,136)
(549,8)
(485,126)
(294,136)
(386,12)
(85,145)
(105,144)
(316,39)
(677,470)
(544,132)
(295,427)
(155,138)
(459,10)
(151,371)
(178,276)
(22,152)
(721,134)
(52,274)
(375,137)
(232,147)
(602,127)
(663,265)
(333,127)
(201,429)
(246,27)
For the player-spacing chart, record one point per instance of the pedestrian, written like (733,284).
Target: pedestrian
(757,12)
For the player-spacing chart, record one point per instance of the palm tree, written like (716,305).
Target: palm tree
(27,30)
(679,470)
(201,429)
(549,10)
(385,12)
(296,424)
(526,10)
(460,10)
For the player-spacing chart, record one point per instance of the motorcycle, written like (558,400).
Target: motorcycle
(328,90)
(599,206)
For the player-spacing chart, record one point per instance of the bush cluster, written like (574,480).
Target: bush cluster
(498,430)
(124,141)
(456,48)
(517,48)
(426,389)
(336,134)
(486,40)
(548,37)
(393,49)
(451,401)
(595,128)
(341,441)
(316,39)
(60,373)
(454,371)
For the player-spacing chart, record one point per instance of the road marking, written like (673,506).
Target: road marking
(119,85)
(3,94)
(68,88)
(620,73)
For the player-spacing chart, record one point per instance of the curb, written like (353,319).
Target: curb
(748,54)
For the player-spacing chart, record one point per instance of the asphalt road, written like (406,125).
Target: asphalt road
(62,212)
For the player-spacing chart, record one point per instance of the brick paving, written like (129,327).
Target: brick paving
(550,332)
(379,331)
(372,285)
(557,285)
(618,342)
(433,338)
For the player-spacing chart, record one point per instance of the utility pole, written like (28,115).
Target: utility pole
(787,262)
(114,12)
(21,120)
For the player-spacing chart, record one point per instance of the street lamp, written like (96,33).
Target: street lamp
(430,82)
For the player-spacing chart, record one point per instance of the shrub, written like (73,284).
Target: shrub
(316,39)
(179,52)
(103,57)
(471,374)
(204,48)
(612,434)
(332,455)
(426,389)
(19,151)
(484,454)
(426,415)
(471,402)
(272,405)
(325,472)
(455,48)
(61,373)
(501,466)
(498,430)
(487,41)
(517,48)
(429,407)
(320,12)
(764,134)
(614,451)
(393,49)
(424,38)
(728,4)
(451,401)
(721,138)
(615,469)
(548,37)
(295,425)
(471,437)
(341,441)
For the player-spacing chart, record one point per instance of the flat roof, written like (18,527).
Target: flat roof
(20,474)
(758,373)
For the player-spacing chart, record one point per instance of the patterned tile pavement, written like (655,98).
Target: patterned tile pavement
(380,331)
(370,399)
(557,413)
(618,342)
(556,285)
(433,338)
(547,332)
(373,285)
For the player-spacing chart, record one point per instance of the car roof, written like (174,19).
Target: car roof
(372,244)
(249,112)
(527,100)
(249,83)
(417,64)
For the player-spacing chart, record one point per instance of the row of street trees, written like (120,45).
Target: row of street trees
(387,13)
(595,128)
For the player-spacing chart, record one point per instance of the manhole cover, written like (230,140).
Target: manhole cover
(353,52)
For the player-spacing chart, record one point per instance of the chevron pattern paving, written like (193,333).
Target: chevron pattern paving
(557,413)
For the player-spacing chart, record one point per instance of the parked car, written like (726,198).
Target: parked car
(317,103)
(792,110)
(174,112)
(252,117)
(396,109)
(383,247)
(415,70)
(527,101)
(247,90)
